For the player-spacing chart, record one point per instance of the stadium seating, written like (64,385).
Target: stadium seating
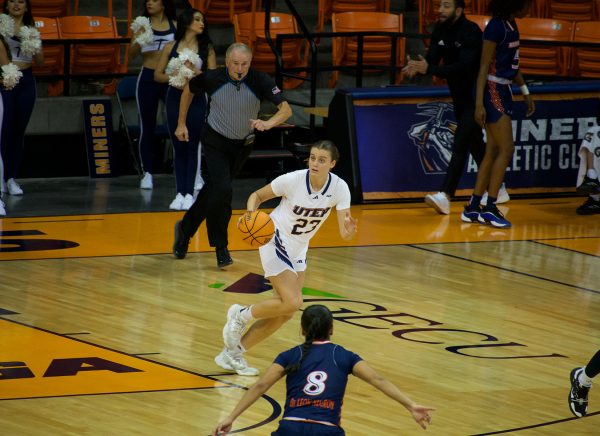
(574,10)
(376,49)
(481,20)
(54,54)
(249,28)
(222,11)
(429,12)
(92,58)
(586,60)
(545,60)
(50,8)
(328,7)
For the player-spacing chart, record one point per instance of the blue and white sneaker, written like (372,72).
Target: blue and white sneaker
(491,216)
(470,214)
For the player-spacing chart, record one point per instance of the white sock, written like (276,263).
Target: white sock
(592,174)
(595,197)
(246,314)
(584,380)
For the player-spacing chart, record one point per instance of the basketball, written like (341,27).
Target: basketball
(256,229)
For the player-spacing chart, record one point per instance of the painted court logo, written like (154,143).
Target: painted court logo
(434,136)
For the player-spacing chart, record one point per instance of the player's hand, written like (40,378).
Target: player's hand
(530,105)
(181,133)
(223,428)
(409,69)
(350,224)
(480,115)
(260,125)
(421,415)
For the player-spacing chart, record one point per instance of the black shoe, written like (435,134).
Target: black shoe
(180,246)
(223,257)
(578,395)
(590,207)
(588,186)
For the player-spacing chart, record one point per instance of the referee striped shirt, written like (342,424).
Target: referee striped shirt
(232,104)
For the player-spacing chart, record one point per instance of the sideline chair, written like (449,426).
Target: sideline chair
(586,60)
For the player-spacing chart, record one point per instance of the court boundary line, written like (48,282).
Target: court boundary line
(543,424)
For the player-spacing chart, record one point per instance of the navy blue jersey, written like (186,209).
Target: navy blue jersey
(315,392)
(505,34)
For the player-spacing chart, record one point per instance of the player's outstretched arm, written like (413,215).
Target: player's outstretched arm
(419,413)
(254,392)
(348,225)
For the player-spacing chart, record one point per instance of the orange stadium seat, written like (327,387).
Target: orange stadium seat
(201,5)
(50,8)
(92,58)
(586,60)
(574,10)
(544,60)
(222,11)
(429,13)
(328,7)
(539,8)
(54,54)
(376,49)
(263,58)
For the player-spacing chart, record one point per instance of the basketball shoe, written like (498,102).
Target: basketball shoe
(439,202)
(588,186)
(590,207)
(180,246)
(578,395)
(490,215)
(13,187)
(177,203)
(146,182)
(470,214)
(234,327)
(234,361)
(2,208)
(223,257)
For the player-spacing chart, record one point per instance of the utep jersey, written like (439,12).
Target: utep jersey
(302,210)
(161,37)
(505,34)
(591,142)
(316,391)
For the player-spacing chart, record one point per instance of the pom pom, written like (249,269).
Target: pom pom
(31,43)
(7,26)
(177,70)
(146,36)
(10,75)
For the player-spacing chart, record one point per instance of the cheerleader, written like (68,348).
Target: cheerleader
(151,32)
(25,47)
(190,54)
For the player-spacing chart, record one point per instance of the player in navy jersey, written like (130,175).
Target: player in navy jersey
(148,93)
(307,198)
(316,378)
(499,67)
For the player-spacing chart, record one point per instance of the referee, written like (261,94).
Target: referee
(235,95)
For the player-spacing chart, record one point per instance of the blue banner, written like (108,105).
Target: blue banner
(97,118)
(404,149)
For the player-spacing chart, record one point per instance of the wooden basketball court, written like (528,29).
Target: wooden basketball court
(102,331)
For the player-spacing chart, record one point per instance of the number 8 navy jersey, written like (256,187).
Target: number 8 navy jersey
(316,391)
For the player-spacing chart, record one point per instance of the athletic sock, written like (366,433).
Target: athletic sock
(475,200)
(584,380)
(491,201)
(592,174)
(246,314)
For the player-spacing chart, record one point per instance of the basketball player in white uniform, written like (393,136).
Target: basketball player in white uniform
(588,182)
(307,199)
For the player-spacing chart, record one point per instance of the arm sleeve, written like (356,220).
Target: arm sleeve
(198,84)
(469,56)
(283,184)
(343,195)
(267,89)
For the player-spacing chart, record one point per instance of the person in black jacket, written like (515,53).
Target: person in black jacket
(455,43)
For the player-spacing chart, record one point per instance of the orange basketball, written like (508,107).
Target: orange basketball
(256,229)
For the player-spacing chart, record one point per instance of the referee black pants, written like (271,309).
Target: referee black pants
(468,138)
(223,160)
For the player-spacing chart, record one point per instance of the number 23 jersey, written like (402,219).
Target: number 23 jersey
(302,210)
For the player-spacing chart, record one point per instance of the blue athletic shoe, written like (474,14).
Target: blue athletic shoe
(491,216)
(470,214)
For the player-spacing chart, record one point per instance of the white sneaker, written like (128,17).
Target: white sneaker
(439,202)
(13,187)
(232,361)
(2,208)
(188,200)
(146,182)
(503,196)
(177,203)
(234,327)
(199,183)
(3,187)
